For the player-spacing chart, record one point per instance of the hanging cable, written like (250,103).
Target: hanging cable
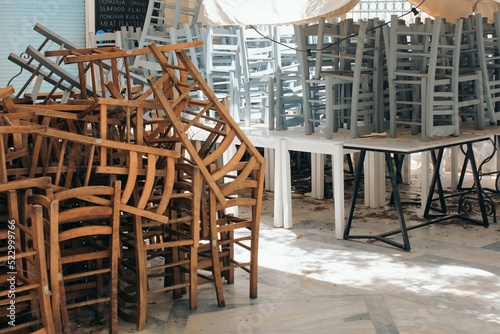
(413,10)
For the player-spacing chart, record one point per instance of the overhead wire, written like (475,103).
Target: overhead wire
(413,10)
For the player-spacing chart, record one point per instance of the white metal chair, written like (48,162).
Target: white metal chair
(257,67)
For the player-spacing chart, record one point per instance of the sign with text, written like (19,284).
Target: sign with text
(111,15)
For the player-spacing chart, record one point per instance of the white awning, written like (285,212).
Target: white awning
(273,12)
(451,10)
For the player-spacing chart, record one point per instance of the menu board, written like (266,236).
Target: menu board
(111,15)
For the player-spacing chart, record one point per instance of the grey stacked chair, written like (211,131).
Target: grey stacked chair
(313,89)
(222,65)
(470,79)
(488,41)
(130,37)
(186,33)
(423,78)
(257,67)
(162,15)
(286,100)
(342,77)
(352,81)
(57,82)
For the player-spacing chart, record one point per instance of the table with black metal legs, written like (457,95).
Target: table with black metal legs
(395,149)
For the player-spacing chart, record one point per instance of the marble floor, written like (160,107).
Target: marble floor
(310,282)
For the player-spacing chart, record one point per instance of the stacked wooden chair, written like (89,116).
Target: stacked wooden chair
(162,192)
(127,196)
(24,291)
(82,225)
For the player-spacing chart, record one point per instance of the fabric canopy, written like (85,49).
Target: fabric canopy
(451,10)
(273,12)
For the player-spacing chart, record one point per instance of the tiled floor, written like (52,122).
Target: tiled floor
(310,282)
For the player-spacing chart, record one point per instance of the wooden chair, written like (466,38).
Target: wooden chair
(68,163)
(83,227)
(14,136)
(239,182)
(229,233)
(24,292)
(161,219)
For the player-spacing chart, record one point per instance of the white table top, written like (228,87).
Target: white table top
(296,138)
(407,143)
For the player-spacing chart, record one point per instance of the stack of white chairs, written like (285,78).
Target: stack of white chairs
(341,67)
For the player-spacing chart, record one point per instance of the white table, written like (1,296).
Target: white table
(294,139)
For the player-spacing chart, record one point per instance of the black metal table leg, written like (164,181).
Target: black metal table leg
(394,185)
(357,180)
(435,182)
(477,181)
(397,201)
